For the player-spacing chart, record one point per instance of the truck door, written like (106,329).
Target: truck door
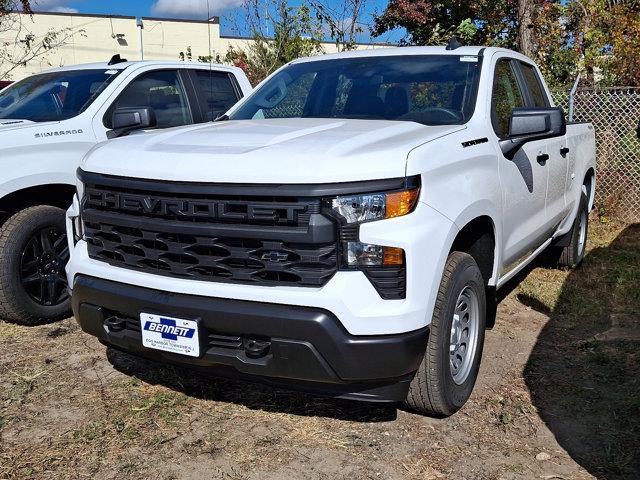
(523,179)
(557,149)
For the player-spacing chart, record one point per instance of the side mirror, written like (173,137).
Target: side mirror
(529,124)
(126,120)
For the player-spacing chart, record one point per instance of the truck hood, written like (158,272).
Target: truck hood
(268,151)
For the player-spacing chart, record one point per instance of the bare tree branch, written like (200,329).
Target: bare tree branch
(19,46)
(343,24)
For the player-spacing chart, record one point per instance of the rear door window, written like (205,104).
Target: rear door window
(534,85)
(219,91)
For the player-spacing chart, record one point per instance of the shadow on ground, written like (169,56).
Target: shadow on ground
(254,396)
(584,371)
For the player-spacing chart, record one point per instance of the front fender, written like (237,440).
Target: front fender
(40,164)
(426,237)
(36,180)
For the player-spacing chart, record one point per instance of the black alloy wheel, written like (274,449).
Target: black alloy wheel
(42,268)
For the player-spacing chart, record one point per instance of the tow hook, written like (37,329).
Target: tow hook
(115,324)
(255,348)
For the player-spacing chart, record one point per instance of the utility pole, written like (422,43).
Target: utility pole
(140,26)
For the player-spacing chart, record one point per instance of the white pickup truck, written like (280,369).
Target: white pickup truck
(48,122)
(345,228)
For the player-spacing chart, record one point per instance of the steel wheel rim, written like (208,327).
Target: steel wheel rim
(582,235)
(463,341)
(42,267)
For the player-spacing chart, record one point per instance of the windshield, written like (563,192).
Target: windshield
(54,96)
(428,89)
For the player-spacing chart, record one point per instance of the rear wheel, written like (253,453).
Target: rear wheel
(33,254)
(448,372)
(572,255)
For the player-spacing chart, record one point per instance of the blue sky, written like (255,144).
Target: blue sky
(230,11)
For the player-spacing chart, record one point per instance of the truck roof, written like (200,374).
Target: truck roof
(127,64)
(388,52)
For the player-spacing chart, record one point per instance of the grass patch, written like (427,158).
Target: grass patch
(11,331)
(584,382)
(90,432)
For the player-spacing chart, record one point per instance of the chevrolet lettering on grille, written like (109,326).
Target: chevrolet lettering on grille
(222,210)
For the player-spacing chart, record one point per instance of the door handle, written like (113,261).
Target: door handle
(542,158)
(564,151)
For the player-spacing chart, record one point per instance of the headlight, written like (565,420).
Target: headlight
(352,210)
(79,189)
(369,255)
(78,228)
(375,206)
(78,232)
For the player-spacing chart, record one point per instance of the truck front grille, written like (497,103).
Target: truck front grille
(208,232)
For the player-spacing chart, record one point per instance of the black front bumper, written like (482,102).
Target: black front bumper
(304,348)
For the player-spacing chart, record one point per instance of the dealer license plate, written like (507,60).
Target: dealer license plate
(174,335)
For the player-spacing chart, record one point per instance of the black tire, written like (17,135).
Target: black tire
(572,255)
(23,271)
(433,390)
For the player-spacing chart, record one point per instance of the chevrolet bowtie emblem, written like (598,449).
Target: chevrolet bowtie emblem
(275,257)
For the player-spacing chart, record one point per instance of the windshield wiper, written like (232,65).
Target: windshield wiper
(222,118)
(12,121)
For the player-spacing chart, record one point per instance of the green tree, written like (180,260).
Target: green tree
(187,56)
(296,33)
(607,38)
(553,43)
(434,22)
(598,38)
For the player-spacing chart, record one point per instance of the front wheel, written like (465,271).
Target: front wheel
(446,377)
(33,254)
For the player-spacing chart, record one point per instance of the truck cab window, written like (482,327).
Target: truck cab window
(430,89)
(219,92)
(53,97)
(534,85)
(287,99)
(161,90)
(506,96)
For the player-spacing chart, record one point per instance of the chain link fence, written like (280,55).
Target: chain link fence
(615,113)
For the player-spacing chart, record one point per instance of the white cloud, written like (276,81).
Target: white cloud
(52,6)
(192,8)
(64,10)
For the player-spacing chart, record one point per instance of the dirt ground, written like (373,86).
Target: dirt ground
(558,398)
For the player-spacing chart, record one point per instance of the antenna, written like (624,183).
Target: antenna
(453,44)
(209,32)
(116,59)
(210,58)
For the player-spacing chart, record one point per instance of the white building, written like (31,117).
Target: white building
(96,38)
